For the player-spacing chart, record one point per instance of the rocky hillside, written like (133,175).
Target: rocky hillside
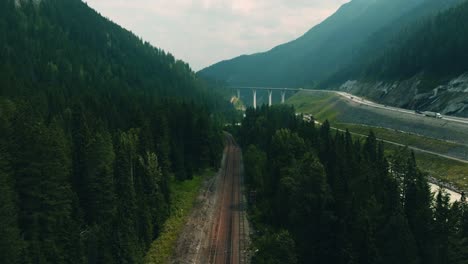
(426,68)
(450,98)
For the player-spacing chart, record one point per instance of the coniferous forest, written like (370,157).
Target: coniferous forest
(435,47)
(94,123)
(428,43)
(320,196)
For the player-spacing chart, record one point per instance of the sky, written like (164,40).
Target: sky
(203,32)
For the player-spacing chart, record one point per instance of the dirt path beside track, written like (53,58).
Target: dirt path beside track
(217,230)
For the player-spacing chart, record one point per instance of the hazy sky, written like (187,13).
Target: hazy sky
(203,32)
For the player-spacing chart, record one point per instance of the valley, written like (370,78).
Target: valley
(217,230)
(114,151)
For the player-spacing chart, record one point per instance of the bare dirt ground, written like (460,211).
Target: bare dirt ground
(454,196)
(217,229)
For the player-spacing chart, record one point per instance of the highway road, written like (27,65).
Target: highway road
(361,100)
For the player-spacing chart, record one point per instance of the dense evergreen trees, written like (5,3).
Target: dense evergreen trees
(93,123)
(10,244)
(435,47)
(89,192)
(342,200)
(427,44)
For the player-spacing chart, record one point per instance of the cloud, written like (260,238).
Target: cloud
(203,32)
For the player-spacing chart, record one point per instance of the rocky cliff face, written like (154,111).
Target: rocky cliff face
(450,98)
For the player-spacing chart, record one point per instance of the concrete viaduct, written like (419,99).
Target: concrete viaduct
(270,92)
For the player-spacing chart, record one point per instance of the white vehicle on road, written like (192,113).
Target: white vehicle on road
(432,114)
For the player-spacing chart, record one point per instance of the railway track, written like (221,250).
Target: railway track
(228,225)
(243,232)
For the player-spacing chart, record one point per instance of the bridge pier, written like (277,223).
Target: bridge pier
(237,90)
(254,98)
(270,98)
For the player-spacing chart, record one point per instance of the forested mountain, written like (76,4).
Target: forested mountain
(358,28)
(422,67)
(94,124)
(436,48)
(59,43)
(387,38)
(320,196)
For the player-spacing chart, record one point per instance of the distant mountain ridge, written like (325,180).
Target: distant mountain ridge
(327,47)
(425,68)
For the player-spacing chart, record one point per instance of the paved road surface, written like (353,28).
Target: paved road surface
(361,100)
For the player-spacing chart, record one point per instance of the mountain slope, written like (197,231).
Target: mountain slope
(324,49)
(388,37)
(437,48)
(65,43)
(425,68)
(96,126)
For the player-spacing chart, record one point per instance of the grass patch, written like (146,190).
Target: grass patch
(446,170)
(440,168)
(401,137)
(321,105)
(183,197)
(443,169)
(326,106)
